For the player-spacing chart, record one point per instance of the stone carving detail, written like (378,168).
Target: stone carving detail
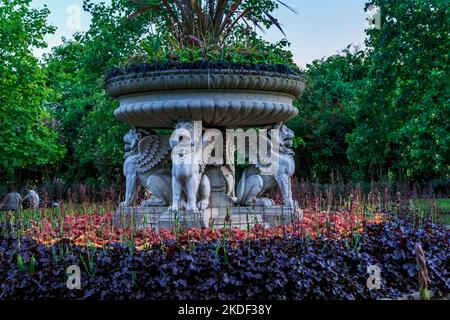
(143,167)
(219,99)
(229,171)
(205,79)
(188,186)
(254,185)
(189,160)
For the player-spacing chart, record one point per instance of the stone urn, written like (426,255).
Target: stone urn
(192,103)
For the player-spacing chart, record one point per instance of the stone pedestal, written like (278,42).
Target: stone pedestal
(218,197)
(138,217)
(238,217)
(171,220)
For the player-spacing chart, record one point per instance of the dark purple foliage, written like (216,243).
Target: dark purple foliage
(200,65)
(277,269)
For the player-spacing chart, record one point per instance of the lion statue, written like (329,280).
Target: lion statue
(255,181)
(145,154)
(189,181)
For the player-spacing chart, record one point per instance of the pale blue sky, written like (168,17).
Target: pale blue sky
(321,28)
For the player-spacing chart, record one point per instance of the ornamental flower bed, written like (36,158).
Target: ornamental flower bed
(289,265)
(97,230)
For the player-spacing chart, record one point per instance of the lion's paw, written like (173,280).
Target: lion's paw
(265,202)
(123,205)
(175,207)
(203,205)
(192,208)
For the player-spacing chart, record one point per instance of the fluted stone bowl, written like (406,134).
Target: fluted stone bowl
(218,97)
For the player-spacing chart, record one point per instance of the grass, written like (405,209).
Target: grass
(438,208)
(443,205)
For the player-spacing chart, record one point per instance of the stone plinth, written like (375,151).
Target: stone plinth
(238,217)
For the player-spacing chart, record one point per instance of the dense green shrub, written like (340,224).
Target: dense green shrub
(382,114)
(28,136)
(402,125)
(76,69)
(213,30)
(334,86)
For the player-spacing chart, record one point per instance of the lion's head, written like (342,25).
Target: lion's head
(286,136)
(183,136)
(132,140)
(182,143)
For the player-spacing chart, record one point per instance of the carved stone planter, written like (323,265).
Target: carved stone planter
(220,99)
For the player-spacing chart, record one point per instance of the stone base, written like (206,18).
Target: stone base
(159,218)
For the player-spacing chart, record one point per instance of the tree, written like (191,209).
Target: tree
(28,138)
(76,71)
(402,125)
(333,87)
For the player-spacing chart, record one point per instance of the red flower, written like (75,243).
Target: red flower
(98,230)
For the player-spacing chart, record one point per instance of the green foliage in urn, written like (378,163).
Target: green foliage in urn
(213,30)
(28,138)
(255,51)
(207,23)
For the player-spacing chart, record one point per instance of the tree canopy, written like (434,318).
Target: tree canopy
(403,122)
(382,112)
(28,136)
(76,71)
(325,115)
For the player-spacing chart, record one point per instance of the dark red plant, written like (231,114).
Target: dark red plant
(203,23)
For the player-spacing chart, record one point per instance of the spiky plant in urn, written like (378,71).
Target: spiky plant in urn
(208,98)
